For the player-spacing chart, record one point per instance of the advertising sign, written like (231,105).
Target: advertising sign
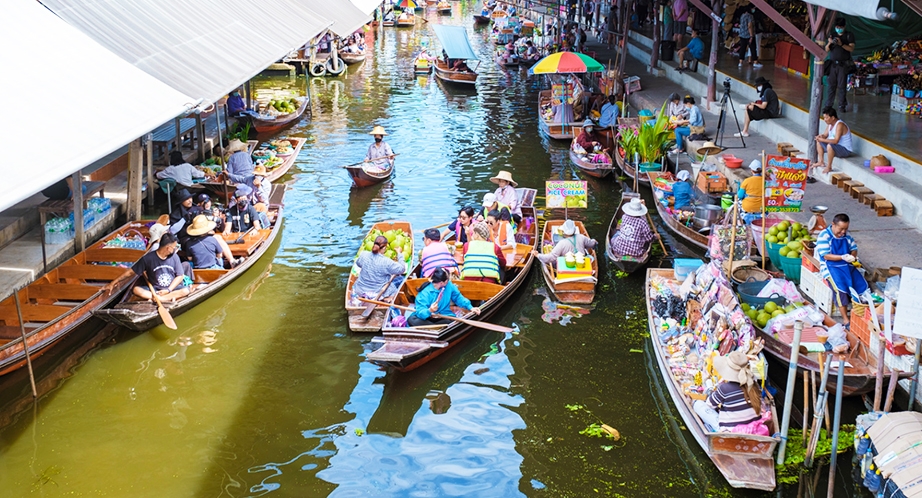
(785,181)
(566,194)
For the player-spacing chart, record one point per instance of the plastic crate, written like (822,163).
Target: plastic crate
(632,84)
(859,323)
(822,296)
(807,282)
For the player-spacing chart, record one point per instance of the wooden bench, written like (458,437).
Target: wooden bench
(474,290)
(838,178)
(848,185)
(883,207)
(860,192)
(90,272)
(868,199)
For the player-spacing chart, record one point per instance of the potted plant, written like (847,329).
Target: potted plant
(652,140)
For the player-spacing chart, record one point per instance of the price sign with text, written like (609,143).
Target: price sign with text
(570,194)
(785,182)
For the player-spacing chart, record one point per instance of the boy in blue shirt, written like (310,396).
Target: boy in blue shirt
(693,51)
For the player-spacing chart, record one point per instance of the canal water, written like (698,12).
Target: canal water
(264,391)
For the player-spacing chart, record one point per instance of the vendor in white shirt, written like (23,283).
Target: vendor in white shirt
(180,171)
(380,153)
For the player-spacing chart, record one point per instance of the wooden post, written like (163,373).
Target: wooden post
(806,422)
(200,133)
(134,180)
(79,235)
(891,389)
(657,36)
(25,343)
(879,381)
(816,90)
(712,59)
(764,228)
(177,131)
(149,159)
(249,95)
(789,392)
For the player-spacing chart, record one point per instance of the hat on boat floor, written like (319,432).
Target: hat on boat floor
(378,130)
(504,175)
(635,207)
(200,226)
(708,148)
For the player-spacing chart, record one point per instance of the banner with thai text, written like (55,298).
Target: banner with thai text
(785,182)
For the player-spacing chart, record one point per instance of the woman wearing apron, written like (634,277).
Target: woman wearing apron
(837,250)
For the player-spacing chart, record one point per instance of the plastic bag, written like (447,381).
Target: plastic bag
(783,287)
(719,242)
(892,288)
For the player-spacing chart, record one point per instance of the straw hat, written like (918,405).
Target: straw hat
(568,228)
(236,146)
(200,226)
(588,123)
(260,170)
(164,220)
(734,367)
(504,175)
(682,175)
(489,199)
(378,130)
(708,148)
(635,208)
(155,232)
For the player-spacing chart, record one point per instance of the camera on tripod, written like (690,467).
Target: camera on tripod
(727,84)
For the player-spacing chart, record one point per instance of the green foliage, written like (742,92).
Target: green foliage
(573,408)
(594,430)
(240,131)
(652,140)
(794,452)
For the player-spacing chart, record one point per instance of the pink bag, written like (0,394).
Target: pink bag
(757,427)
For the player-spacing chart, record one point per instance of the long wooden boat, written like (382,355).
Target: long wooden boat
(408,348)
(557,131)
(627,264)
(569,290)
(688,233)
(288,160)
(407,21)
(388,23)
(444,8)
(630,170)
(508,65)
(61,300)
(365,176)
(595,170)
(745,460)
(281,121)
(479,19)
(136,314)
(373,323)
(460,77)
(350,58)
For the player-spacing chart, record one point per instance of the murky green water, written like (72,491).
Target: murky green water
(265,392)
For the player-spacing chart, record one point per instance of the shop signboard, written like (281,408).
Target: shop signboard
(908,320)
(570,194)
(785,183)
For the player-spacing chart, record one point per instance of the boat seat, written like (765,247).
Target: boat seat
(90,272)
(67,292)
(474,290)
(30,312)
(207,276)
(106,255)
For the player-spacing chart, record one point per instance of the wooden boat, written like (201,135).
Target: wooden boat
(745,460)
(373,323)
(288,159)
(350,58)
(406,20)
(557,131)
(388,23)
(140,315)
(444,8)
(479,19)
(688,233)
(595,170)
(366,176)
(580,290)
(627,264)
(281,121)
(630,170)
(407,348)
(460,77)
(422,65)
(61,300)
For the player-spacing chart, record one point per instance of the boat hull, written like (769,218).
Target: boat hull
(581,291)
(595,170)
(625,264)
(464,78)
(351,59)
(363,178)
(274,125)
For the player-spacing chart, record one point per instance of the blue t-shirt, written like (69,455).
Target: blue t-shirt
(204,250)
(694,116)
(696,48)
(683,194)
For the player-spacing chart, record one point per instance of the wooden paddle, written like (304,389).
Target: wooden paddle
(161,309)
(369,307)
(363,162)
(443,225)
(240,239)
(472,323)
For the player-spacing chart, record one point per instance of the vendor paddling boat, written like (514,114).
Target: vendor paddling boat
(265,123)
(627,264)
(589,166)
(360,320)
(745,460)
(61,300)
(554,129)
(481,19)
(367,174)
(457,47)
(406,19)
(685,228)
(137,314)
(407,348)
(423,64)
(569,285)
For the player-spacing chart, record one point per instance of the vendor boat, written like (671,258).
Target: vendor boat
(265,124)
(423,65)
(137,314)
(627,264)
(366,174)
(444,8)
(481,19)
(745,460)
(61,300)
(593,169)
(553,129)
(508,64)
(407,348)
(578,288)
(444,73)
(276,167)
(457,47)
(406,20)
(680,228)
(356,309)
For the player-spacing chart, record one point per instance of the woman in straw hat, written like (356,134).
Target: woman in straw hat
(262,187)
(205,247)
(506,195)
(239,167)
(736,399)
(634,234)
(380,153)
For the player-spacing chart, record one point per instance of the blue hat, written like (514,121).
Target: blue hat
(243,191)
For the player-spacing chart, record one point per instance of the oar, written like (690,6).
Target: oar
(240,239)
(363,162)
(473,323)
(369,307)
(443,225)
(161,309)
(658,237)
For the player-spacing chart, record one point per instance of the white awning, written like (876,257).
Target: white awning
(93,103)
(202,49)
(367,6)
(346,17)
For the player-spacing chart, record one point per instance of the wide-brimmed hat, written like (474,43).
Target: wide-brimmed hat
(504,175)
(588,123)
(734,367)
(243,191)
(200,226)
(378,130)
(182,195)
(236,146)
(635,208)
(164,220)
(761,81)
(489,199)
(682,175)
(260,170)
(708,148)
(568,228)
(155,232)
(755,165)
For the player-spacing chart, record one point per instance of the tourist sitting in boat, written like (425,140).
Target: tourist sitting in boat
(634,234)
(380,154)
(460,226)
(750,193)
(682,191)
(501,229)
(436,297)
(684,126)
(837,250)
(205,247)
(180,171)
(262,188)
(204,206)
(239,165)
(531,52)
(735,405)
(235,104)
(484,261)
(179,216)
(242,216)
(506,195)
(436,254)
(569,242)
(376,270)
(163,270)
(491,203)
(460,66)
(609,114)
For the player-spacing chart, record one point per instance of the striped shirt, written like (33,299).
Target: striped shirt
(731,405)
(824,247)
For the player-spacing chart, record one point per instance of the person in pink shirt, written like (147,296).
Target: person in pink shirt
(505,194)
(435,254)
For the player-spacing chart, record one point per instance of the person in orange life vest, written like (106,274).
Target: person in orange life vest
(501,228)
(435,254)
(483,260)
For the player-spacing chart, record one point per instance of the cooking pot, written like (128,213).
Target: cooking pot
(706,215)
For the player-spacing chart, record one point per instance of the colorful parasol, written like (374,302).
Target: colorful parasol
(407,4)
(566,62)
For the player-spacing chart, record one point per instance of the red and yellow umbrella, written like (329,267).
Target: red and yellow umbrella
(566,62)
(407,4)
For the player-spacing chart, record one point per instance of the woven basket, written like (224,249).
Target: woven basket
(750,273)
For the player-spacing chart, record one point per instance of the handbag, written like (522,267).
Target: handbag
(696,130)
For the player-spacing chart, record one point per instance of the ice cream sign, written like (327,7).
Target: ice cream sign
(570,194)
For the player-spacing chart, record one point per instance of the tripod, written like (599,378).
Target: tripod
(722,118)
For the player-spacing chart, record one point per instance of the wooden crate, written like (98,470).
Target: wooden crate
(711,182)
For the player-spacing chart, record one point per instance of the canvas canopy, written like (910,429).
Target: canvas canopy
(454,41)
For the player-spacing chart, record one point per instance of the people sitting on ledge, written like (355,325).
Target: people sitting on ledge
(764,108)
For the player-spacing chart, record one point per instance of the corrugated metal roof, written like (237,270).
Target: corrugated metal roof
(367,6)
(454,41)
(346,17)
